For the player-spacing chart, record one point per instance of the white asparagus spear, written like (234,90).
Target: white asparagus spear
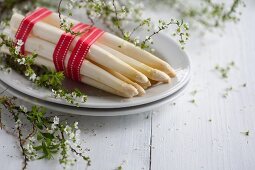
(141,91)
(46,49)
(124,47)
(139,88)
(145,85)
(151,73)
(96,54)
(103,87)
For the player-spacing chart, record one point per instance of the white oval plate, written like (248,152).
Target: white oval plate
(165,48)
(90,111)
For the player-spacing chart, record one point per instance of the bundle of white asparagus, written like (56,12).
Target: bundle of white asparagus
(112,64)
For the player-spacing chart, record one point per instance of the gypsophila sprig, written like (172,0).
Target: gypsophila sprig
(118,16)
(206,13)
(75,97)
(49,138)
(65,23)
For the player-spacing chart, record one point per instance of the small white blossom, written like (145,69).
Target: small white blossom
(71,135)
(56,120)
(73,94)
(18,123)
(32,77)
(23,108)
(55,123)
(21,61)
(17,50)
(75,125)
(20,43)
(67,129)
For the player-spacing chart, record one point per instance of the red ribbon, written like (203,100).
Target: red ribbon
(80,51)
(28,23)
(63,45)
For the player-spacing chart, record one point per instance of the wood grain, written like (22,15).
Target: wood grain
(181,135)
(206,135)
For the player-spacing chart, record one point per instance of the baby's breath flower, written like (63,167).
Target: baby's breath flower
(55,123)
(32,77)
(18,123)
(18,46)
(20,42)
(23,108)
(75,125)
(73,94)
(67,129)
(21,61)
(56,120)
(17,50)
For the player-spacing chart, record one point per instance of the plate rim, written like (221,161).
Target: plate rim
(95,111)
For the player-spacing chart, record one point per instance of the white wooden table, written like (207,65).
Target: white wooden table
(205,135)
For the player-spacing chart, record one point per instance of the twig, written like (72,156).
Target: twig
(72,32)
(59,12)
(80,154)
(117,18)
(156,32)
(30,134)
(22,148)
(135,29)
